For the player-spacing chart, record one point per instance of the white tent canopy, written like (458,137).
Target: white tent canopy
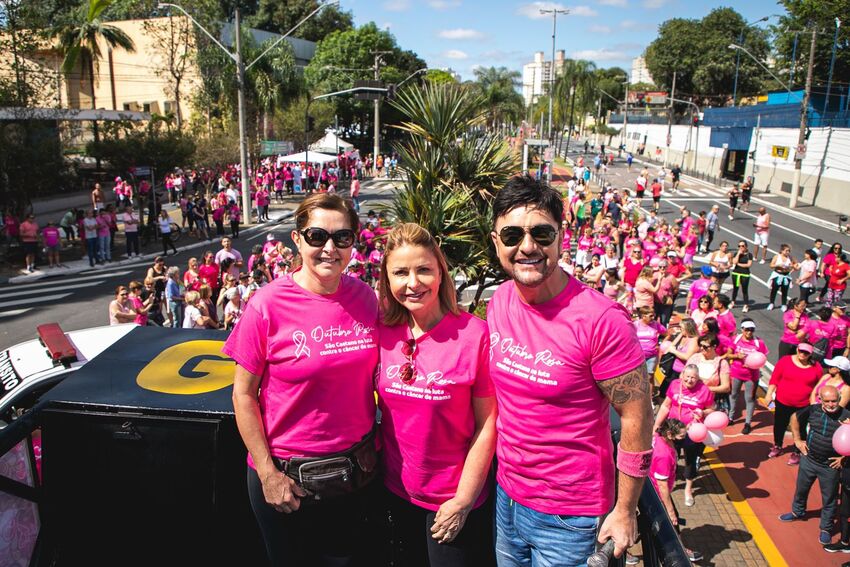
(330,143)
(311,157)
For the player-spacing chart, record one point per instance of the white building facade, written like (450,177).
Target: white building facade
(537,75)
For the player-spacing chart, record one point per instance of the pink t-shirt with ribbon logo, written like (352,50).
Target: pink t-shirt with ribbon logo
(427,426)
(316,356)
(554,439)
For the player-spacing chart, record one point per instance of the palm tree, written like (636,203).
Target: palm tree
(576,82)
(452,174)
(80,41)
(498,87)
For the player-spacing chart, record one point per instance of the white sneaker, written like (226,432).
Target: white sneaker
(784,308)
(761,261)
(770,307)
(730,217)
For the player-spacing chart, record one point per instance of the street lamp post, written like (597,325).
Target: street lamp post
(738,56)
(554,12)
(240,86)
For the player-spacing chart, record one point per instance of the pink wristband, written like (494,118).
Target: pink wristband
(633,464)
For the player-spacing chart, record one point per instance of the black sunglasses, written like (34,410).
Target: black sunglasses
(542,234)
(319,236)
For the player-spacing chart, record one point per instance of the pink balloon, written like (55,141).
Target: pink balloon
(755,360)
(841,440)
(716,420)
(697,432)
(664,347)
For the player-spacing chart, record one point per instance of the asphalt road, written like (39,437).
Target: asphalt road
(787,228)
(81,300)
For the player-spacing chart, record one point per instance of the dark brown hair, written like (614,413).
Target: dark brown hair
(329,202)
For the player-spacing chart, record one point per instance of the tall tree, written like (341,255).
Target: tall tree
(497,86)
(575,91)
(174,38)
(280,16)
(698,52)
(802,15)
(80,41)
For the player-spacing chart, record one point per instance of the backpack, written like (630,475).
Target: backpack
(820,349)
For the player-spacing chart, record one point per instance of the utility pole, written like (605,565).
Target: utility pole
(670,121)
(376,149)
(626,117)
(554,12)
(831,66)
(240,91)
(801,139)
(598,118)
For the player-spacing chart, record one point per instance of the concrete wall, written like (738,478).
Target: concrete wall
(825,180)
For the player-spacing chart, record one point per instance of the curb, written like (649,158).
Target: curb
(39,275)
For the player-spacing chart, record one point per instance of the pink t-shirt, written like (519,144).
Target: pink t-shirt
(698,289)
(684,401)
(554,439)
(632,270)
(839,338)
(817,330)
(427,426)
(726,323)
(788,336)
(663,466)
(648,336)
(51,235)
(315,355)
(741,345)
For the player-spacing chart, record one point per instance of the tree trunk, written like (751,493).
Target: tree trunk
(179,113)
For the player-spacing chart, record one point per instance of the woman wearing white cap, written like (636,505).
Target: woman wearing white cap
(742,375)
(791,383)
(838,376)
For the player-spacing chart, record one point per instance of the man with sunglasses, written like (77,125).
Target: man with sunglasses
(561,356)
(228,252)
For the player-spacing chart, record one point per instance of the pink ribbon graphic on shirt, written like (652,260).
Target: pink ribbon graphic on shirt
(301,347)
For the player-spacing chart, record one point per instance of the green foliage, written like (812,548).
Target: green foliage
(31,162)
(498,88)
(698,52)
(23,82)
(438,76)
(124,145)
(289,122)
(280,16)
(575,91)
(801,15)
(80,40)
(452,175)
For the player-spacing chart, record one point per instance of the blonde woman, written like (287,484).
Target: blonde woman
(194,318)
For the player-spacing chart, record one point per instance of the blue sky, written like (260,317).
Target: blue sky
(464,34)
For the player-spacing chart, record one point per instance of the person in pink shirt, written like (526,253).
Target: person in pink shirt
(841,338)
(306,350)
(561,355)
(52,239)
(438,408)
(648,331)
(104,236)
(725,318)
(28,231)
(820,328)
(745,343)
(794,320)
(688,399)
(355,193)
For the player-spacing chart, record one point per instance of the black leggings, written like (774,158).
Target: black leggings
(327,534)
(781,419)
(774,287)
(413,545)
(693,453)
(806,292)
(742,280)
(166,242)
(234,229)
(785,349)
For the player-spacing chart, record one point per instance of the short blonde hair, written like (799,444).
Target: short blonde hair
(192,297)
(394,313)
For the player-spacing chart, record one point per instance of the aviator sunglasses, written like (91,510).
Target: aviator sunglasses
(319,236)
(542,234)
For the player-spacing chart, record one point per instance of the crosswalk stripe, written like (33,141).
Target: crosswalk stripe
(57,286)
(14,312)
(31,300)
(52,281)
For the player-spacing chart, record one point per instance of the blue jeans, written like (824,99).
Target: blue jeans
(91,250)
(651,363)
(176,310)
(527,538)
(104,250)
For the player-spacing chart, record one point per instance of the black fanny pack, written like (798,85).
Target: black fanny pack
(334,475)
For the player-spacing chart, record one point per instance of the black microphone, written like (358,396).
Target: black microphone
(603,556)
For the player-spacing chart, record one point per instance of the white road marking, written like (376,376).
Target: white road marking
(46,282)
(31,300)
(56,286)
(14,312)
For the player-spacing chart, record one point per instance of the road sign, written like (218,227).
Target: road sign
(141,170)
(276,148)
(549,154)
(368,95)
(536,142)
(780,151)
(801,151)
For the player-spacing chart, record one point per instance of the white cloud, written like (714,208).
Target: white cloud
(653,4)
(629,24)
(460,33)
(444,4)
(599,29)
(454,54)
(397,5)
(532,10)
(612,2)
(601,55)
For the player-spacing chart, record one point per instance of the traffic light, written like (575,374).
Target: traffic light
(695,120)
(391,92)
(311,123)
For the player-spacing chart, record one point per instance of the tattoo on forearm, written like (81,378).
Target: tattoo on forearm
(631,386)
